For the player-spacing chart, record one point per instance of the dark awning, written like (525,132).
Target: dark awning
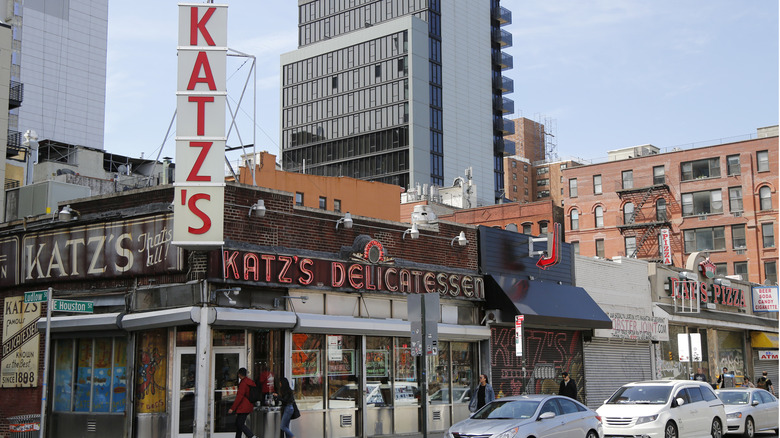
(545,303)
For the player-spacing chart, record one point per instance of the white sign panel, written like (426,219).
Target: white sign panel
(696,347)
(666,246)
(519,335)
(683,352)
(200,126)
(21,342)
(765,299)
(638,327)
(767,355)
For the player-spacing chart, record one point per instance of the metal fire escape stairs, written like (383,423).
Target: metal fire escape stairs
(643,229)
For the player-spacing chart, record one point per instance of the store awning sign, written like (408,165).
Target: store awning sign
(666,246)
(765,299)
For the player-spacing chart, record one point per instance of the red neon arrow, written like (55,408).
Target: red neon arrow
(553,256)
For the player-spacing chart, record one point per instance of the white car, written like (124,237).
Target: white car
(749,410)
(663,409)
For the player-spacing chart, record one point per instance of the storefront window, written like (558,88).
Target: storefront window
(229,338)
(343,384)
(378,380)
(405,369)
(463,371)
(90,375)
(268,362)
(669,365)
(439,375)
(307,370)
(731,353)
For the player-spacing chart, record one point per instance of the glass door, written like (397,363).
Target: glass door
(226,362)
(184,392)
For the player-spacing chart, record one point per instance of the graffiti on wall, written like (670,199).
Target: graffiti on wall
(151,375)
(547,353)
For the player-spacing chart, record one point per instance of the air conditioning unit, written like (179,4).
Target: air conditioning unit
(702,218)
(492,316)
(739,251)
(736,213)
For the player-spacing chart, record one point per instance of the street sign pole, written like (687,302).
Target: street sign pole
(424,368)
(41,432)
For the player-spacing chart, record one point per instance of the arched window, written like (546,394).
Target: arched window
(628,213)
(599,213)
(527,228)
(543,228)
(660,210)
(575,219)
(765,194)
(511,227)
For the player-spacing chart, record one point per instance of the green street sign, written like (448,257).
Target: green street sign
(36,296)
(73,306)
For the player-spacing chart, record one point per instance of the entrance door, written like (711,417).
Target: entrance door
(226,362)
(184,392)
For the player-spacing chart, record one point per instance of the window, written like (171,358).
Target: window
(628,213)
(600,248)
(705,239)
(659,176)
(706,202)
(542,228)
(699,169)
(596,184)
(599,213)
(575,219)
(660,210)
(572,187)
(735,199)
(334,82)
(770,273)
(542,170)
(542,182)
(738,236)
(526,191)
(630,246)
(628,179)
(721,269)
(378,70)
(514,164)
(732,163)
(576,247)
(298,198)
(323,202)
(765,195)
(526,228)
(741,268)
(525,179)
(514,188)
(543,194)
(763,161)
(78,366)
(514,176)
(768,233)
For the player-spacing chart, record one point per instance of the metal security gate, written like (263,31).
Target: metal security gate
(770,366)
(610,363)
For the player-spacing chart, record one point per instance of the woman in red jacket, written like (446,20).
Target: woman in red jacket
(242,406)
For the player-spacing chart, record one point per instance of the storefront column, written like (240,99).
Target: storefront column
(203,358)
(712,354)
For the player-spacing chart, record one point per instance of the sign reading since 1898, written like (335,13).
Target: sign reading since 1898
(20,343)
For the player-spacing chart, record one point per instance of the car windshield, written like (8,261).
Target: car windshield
(507,409)
(734,397)
(641,395)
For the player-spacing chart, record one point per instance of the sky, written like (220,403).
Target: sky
(602,74)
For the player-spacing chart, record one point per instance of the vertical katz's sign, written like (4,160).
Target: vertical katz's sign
(200,126)
(20,343)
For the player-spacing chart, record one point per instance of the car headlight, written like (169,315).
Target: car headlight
(642,420)
(508,434)
(734,415)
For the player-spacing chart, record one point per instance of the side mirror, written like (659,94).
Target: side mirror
(546,416)
(755,403)
(679,401)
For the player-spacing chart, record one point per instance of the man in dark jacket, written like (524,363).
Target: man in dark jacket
(568,387)
(242,406)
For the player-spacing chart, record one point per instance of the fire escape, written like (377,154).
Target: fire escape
(645,223)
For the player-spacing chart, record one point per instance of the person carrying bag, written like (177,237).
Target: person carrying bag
(289,408)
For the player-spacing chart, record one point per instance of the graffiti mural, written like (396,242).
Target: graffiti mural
(151,372)
(547,353)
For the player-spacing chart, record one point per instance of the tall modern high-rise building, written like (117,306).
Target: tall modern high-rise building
(402,92)
(59,54)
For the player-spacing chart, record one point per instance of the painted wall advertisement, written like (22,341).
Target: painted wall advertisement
(638,327)
(20,343)
(765,299)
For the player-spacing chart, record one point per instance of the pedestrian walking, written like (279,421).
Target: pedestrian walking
(285,396)
(765,382)
(747,383)
(726,379)
(568,387)
(241,405)
(482,395)
(700,376)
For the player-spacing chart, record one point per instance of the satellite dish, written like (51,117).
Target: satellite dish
(124,169)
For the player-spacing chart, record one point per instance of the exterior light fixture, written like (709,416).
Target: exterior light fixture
(413,232)
(346,221)
(723,282)
(258,208)
(68,214)
(460,238)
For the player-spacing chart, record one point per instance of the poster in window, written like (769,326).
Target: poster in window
(305,363)
(63,375)
(101,383)
(405,367)
(20,343)
(376,363)
(119,383)
(151,372)
(343,367)
(83,390)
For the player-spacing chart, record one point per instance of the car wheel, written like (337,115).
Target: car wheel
(716,430)
(750,429)
(670,431)
(592,434)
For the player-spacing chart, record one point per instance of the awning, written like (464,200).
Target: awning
(731,319)
(764,340)
(254,318)
(161,318)
(545,303)
(349,325)
(81,323)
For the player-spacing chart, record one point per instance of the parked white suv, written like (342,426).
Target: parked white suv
(663,409)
